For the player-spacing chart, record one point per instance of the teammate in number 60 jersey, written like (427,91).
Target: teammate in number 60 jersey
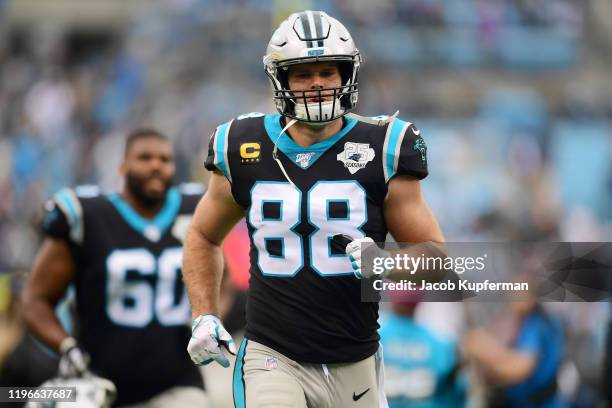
(301,177)
(123,254)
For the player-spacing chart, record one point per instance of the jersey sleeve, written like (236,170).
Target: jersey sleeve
(63,217)
(54,222)
(217,157)
(404,151)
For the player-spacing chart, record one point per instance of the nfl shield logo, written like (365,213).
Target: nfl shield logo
(152,232)
(271,363)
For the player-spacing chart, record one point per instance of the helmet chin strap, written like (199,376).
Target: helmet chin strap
(316,125)
(275,151)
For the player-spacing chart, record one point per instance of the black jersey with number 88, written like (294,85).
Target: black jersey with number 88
(304,300)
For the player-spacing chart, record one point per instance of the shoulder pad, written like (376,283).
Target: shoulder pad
(380,120)
(219,145)
(67,201)
(87,191)
(404,151)
(250,115)
(191,188)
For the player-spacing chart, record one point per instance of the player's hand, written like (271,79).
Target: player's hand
(74,362)
(356,250)
(210,341)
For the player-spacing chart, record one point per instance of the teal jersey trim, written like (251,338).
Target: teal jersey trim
(294,151)
(238,380)
(63,197)
(162,221)
(392,149)
(221,144)
(63,309)
(70,206)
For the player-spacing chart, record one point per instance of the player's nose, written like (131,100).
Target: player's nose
(156,164)
(317,81)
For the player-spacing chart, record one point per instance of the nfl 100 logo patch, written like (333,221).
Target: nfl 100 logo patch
(303,159)
(355,156)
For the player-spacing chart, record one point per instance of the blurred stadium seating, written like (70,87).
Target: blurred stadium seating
(514,99)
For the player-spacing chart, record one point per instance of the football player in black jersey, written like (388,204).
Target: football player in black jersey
(301,177)
(122,253)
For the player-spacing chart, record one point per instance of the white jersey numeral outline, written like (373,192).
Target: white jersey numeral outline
(318,199)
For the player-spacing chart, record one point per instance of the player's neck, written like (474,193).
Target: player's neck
(305,135)
(144,210)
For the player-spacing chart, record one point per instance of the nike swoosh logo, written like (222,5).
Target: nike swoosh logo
(357,397)
(416,131)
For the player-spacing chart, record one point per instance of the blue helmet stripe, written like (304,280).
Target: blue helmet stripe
(318,22)
(306,29)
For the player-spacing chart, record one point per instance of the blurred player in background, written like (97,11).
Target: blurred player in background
(122,252)
(23,361)
(607,374)
(421,366)
(524,372)
(310,341)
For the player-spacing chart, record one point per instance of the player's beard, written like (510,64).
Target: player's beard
(135,184)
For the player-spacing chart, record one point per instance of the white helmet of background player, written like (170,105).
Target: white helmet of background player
(312,36)
(91,392)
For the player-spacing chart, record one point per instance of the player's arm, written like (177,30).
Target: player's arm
(52,272)
(501,364)
(214,217)
(509,367)
(407,214)
(410,220)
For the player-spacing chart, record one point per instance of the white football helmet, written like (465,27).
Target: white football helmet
(312,36)
(91,392)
